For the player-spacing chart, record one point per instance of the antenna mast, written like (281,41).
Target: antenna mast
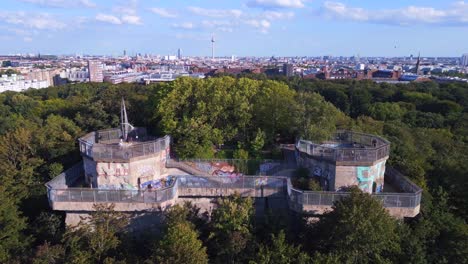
(212,46)
(124,120)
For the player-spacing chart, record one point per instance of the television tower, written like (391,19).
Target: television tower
(212,46)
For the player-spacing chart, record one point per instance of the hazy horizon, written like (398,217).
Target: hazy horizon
(261,28)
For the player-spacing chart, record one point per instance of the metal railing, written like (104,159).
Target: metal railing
(361,147)
(329,198)
(246,167)
(117,152)
(251,186)
(113,196)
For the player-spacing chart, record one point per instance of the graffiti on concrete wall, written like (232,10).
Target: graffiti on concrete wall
(367,176)
(222,169)
(265,167)
(113,169)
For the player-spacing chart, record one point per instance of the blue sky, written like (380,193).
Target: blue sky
(240,27)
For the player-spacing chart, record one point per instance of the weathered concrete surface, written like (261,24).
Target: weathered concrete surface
(152,218)
(402,212)
(122,207)
(397,212)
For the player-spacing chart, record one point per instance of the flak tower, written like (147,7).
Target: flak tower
(124,158)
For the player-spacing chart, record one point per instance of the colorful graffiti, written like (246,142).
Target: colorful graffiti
(113,169)
(157,184)
(122,186)
(261,181)
(265,167)
(318,171)
(367,176)
(222,169)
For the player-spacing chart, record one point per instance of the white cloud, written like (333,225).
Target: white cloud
(185,25)
(122,14)
(219,25)
(276,3)
(162,12)
(457,14)
(108,19)
(132,20)
(275,15)
(62,3)
(32,20)
(262,25)
(129,8)
(27,39)
(216,13)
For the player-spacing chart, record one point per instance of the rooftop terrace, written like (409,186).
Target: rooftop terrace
(108,145)
(347,146)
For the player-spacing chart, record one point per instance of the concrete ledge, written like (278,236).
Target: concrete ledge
(121,207)
(397,212)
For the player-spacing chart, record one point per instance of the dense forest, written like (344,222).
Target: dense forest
(245,118)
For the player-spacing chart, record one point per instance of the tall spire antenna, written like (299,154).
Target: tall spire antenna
(212,46)
(124,120)
(418,64)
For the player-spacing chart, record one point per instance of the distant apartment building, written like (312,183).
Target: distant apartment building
(75,75)
(464,60)
(288,70)
(41,75)
(18,83)
(123,77)
(95,69)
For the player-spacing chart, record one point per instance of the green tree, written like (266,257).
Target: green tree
(316,119)
(230,228)
(359,230)
(258,143)
(273,109)
(49,254)
(12,238)
(180,245)
(95,236)
(280,252)
(386,111)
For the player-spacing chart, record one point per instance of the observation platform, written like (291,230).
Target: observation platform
(127,167)
(347,148)
(108,146)
(64,197)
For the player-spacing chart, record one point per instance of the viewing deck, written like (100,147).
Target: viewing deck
(62,196)
(347,147)
(106,145)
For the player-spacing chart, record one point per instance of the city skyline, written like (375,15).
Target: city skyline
(242,28)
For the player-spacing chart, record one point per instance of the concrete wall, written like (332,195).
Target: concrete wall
(397,212)
(118,175)
(362,176)
(90,167)
(319,168)
(338,176)
(148,169)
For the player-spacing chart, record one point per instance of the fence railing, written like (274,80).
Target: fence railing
(123,152)
(246,186)
(202,186)
(328,198)
(359,147)
(246,167)
(67,178)
(113,196)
